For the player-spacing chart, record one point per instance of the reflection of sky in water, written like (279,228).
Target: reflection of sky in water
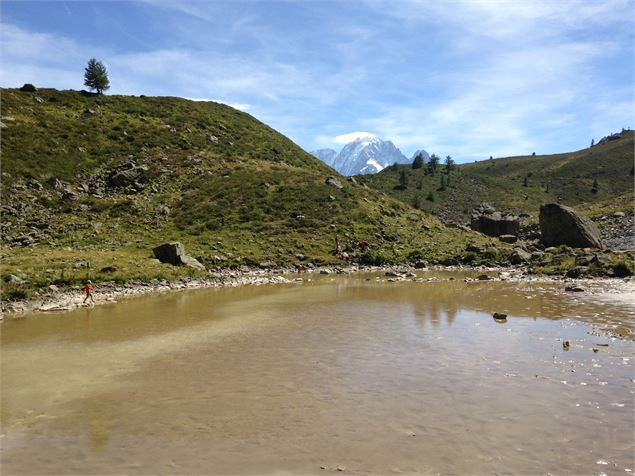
(371,375)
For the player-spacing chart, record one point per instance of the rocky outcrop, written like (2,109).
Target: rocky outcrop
(28,88)
(174,253)
(128,174)
(487,220)
(561,225)
(333,182)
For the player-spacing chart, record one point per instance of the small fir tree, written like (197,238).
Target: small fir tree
(430,197)
(434,163)
(594,188)
(442,184)
(592,142)
(525,182)
(403,179)
(449,164)
(96,76)
(418,162)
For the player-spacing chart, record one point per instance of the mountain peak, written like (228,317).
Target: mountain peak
(366,155)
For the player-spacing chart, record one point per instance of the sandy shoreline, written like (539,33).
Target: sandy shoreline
(110,292)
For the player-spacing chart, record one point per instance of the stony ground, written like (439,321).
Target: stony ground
(617,230)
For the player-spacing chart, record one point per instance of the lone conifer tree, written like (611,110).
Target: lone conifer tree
(403,180)
(96,76)
(418,162)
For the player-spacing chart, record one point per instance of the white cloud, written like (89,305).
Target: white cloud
(351,136)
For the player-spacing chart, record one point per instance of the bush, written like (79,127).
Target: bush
(373,258)
(416,255)
(622,269)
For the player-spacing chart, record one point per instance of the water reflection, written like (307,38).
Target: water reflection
(366,374)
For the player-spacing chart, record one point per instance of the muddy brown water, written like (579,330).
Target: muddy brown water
(353,372)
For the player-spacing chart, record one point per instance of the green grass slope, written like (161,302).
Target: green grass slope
(232,189)
(520,184)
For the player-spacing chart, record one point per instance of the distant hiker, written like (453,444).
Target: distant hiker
(88,289)
(363,245)
(299,267)
(337,245)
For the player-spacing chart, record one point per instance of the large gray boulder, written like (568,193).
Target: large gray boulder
(492,223)
(174,253)
(560,225)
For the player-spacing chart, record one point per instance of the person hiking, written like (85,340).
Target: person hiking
(88,289)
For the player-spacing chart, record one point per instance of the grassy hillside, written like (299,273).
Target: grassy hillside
(520,184)
(232,189)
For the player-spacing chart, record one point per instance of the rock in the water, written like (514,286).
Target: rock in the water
(174,253)
(499,316)
(561,225)
(574,289)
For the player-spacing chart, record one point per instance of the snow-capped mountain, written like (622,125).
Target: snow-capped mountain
(366,155)
(325,155)
(426,156)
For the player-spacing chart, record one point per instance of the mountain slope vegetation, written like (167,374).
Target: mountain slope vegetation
(90,184)
(600,174)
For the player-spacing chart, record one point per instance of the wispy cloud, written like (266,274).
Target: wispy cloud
(468,78)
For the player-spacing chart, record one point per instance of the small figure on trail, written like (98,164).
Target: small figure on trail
(88,289)
(363,245)
(338,249)
(299,267)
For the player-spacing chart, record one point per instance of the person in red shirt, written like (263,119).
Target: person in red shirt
(88,289)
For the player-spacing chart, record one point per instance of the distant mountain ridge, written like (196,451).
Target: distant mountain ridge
(365,155)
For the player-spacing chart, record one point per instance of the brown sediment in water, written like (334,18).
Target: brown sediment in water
(352,371)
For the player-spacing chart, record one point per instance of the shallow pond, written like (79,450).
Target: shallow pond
(349,373)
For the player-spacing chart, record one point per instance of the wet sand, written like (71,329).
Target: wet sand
(370,376)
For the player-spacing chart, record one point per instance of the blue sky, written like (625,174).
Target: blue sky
(467,78)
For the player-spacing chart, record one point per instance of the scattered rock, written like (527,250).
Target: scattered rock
(565,345)
(267,265)
(508,238)
(484,277)
(333,182)
(53,288)
(212,138)
(108,269)
(499,316)
(136,176)
(12,278)
(519,256)
(577,271)
(174,253)
(561,225)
